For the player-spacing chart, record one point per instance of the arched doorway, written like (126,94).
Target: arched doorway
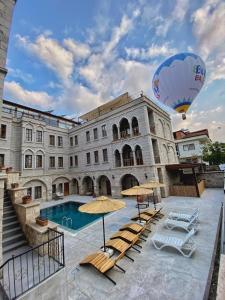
(124,128)
(138,155)
(128,181)
(135,127)
(104,185)
(127,154)
(88,186)
(115,132)
(117,158)
(75,186)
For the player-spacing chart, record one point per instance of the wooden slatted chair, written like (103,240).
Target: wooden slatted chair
(136,228)
(119,245)
(128,237)
(143,217)
(102,263)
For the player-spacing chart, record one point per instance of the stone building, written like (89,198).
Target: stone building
(122,143)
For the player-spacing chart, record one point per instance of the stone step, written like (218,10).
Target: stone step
(11,225)
(9,219)
(13,239)
(7,204)
(11,232)
(14,246)
(8,213)
(8,209)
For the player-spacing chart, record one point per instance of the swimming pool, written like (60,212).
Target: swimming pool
(68,216)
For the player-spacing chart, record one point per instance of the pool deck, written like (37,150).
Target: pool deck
(154,274)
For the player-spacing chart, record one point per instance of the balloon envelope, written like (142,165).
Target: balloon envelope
(178,80)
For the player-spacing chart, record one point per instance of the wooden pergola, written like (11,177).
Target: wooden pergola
(192,166)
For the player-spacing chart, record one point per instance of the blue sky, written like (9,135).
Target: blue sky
(72,56)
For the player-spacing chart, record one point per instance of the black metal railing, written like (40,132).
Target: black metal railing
(22,272)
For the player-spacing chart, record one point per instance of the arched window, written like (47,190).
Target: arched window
(28,159)
(135,127)
(115,132)
(138,155)
(128,181)
(117,159)
(128,159)
(124,128)
(39,159)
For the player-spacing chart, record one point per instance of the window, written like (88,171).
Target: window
(104,133)
(76,161)
(71,161)
(39,136)
(2,160)
(71,142)
(39,161)
(95,131)
(88,155)
(60,162)
(76,140)
(28,135)
(29,191)
(52,162)
(105,155)
(52,140)
(60,141)
(37,192)
(3,131)
(28,161)
(88,136)
(53,188)
(96,157)
(189,147)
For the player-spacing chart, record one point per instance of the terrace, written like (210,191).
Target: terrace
(153,274)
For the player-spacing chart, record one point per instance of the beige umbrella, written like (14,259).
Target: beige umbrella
(137,191)
(102,205)
(153,185)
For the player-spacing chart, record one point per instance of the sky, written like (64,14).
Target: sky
(72,56)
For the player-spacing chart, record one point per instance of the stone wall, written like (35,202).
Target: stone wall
(213,179)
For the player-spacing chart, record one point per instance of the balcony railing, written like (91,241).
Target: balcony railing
(139,161)
(22,272)
(136,131)
(128,162)
(124,135)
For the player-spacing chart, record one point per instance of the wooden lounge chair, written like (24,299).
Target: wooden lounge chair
(128,237)
(102,263)
(185,246)
(136,228)
(143,217)
(153,213)
(119,245)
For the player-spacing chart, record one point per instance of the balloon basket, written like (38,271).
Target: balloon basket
(184,116)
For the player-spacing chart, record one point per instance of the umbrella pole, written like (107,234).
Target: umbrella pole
(154,199)
(139,213)
(103,223)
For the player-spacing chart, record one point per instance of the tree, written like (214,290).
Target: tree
(214,153)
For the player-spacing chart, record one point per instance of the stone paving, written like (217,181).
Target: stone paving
(154,274)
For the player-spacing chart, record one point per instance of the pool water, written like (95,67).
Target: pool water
(68,216)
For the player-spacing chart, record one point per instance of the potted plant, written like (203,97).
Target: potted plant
(42,221)
(26,199)
(9,169)
(14,185)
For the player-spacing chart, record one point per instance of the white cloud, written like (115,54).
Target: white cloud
(79,50)
(51,53)
(151,52)
(31,98)
(17,73)
(208,26)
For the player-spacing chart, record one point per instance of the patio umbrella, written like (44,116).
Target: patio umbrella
(102,205)
(137,191)
(153,185)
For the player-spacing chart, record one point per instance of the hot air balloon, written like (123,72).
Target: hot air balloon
(178,80)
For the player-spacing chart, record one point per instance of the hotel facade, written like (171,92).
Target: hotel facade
(122,143)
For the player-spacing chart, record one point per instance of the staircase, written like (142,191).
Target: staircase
(12,235)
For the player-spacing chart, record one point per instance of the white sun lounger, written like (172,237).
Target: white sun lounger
(186,217)
(185,246)
(188,226)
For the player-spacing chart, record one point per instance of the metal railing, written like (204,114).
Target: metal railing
(22,272)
